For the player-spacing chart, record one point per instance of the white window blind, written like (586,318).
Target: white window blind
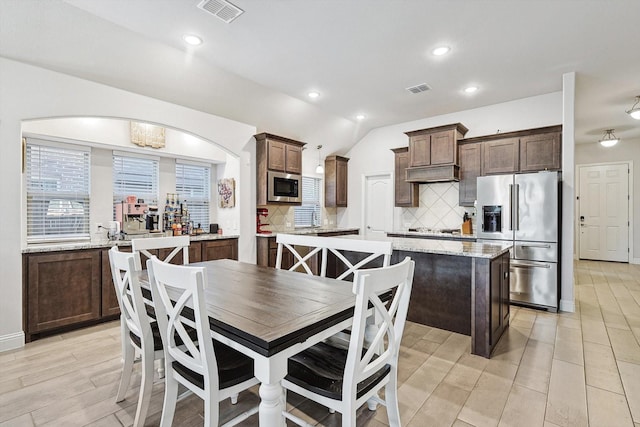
(308,215)
(135,176)
(193,184)
(58,186)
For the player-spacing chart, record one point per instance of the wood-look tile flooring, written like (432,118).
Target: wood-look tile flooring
(568,369)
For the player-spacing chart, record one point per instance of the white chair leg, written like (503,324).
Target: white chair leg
(127,367)
(372,405)
(391,400)
(211,409)
(170,399)
(349,417)
(332,411)
(234,399)
(145,390)
(161,369)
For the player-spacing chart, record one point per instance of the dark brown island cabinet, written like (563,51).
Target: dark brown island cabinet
(64,290)
(529,150)
(335,181)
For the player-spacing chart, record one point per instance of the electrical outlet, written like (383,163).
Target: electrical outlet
(407,224)
(331,222)
(326,221)
(288,225)
(98,227)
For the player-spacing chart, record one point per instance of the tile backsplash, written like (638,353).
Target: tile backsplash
(438,208)
(280,218)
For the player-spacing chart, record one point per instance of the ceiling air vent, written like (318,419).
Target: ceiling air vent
(221,9)
(422,87)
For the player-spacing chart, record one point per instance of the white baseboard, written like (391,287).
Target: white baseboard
(568,305)
(635,261)
(11,341)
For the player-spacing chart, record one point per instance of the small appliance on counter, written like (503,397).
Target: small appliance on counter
(261,212)
(467,227)
(131,216)
(213,228)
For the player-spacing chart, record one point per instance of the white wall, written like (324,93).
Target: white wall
(626,150)
(27,93)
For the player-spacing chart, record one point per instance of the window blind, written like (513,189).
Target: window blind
(135,176)
(308,215)
(193,184)
(58,187)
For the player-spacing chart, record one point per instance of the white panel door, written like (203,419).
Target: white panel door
(378,205)
(603,212)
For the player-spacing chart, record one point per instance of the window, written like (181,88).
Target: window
(193,184)
(58,186)
(308,215)
(135,176)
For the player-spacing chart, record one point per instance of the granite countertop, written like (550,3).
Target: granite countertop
(429,235)
(309,230)
(54,247)
(442,247)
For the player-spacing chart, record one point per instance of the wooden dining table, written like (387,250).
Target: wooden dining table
(270,315)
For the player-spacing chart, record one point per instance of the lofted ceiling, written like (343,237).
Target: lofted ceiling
(360,55)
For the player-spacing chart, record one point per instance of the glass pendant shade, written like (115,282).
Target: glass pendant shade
(609,139)
(319,168)
(634,111)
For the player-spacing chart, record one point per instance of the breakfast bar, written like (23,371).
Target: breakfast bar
(460,286)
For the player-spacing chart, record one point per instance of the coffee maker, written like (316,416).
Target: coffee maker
(151,219)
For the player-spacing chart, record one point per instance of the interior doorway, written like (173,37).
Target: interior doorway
(603,211)
(377,205)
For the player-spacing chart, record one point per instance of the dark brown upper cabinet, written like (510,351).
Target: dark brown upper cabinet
(335,181)
(501,156)
(540,152)
(470,158)
(275,153)
(406,193)
(435,146)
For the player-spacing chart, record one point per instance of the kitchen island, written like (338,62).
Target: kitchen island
(460,286)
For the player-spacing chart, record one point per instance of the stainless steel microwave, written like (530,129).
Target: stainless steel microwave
(284,187)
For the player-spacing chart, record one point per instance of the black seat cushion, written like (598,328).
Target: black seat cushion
(157,339)
(233,367)
(321,369)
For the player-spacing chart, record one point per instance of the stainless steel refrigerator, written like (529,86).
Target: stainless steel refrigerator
(524,209)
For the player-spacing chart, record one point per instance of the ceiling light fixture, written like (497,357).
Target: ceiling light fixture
(471,89)
(442,50)
(361,117)
(191,39)
(634,111)
(608,139)
(319,168)
(313,94)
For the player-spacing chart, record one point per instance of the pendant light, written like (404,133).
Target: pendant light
(319,168)
(634,111)
(609,139)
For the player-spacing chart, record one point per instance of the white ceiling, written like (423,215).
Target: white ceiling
(359,54)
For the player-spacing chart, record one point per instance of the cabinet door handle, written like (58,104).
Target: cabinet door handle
(529,265)
(535,246)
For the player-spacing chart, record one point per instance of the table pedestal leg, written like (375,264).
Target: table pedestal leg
(271,405)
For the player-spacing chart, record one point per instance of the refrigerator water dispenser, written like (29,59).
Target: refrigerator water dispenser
(492,219)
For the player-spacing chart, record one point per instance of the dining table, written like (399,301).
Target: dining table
(271,315)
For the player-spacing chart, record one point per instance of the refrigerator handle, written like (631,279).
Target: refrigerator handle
(516,207)
(511,204)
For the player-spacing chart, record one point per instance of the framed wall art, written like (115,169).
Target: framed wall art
(227,192)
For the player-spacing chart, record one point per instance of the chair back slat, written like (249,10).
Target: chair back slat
(174,288)
(178,243)
(128,292)
(389,319)
(334,245)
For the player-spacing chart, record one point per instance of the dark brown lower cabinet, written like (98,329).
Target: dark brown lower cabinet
(69,289)
(62,289)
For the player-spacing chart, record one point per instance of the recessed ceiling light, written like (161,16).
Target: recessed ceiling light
(313,94)
(471,89)
(442,50)
(192,39)
(361,117)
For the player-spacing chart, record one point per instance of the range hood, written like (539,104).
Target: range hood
(426,174)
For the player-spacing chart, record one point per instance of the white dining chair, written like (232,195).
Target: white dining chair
(323,246)
(137,329)
(178,243)
(210,369)
(343,378)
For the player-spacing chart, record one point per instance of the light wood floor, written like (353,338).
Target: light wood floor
(571,369)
